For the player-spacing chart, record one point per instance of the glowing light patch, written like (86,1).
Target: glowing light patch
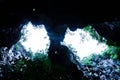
(81,43)
(35,38)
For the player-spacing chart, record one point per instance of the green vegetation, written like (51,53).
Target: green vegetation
(112,52)
(17,47)
(38,69)
(114,56)
(87,61)
(40,56)
(94,33)
(19,66)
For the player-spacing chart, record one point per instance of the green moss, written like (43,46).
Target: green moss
(88,28)
(47,65)
(21,62)
(17,47)
(112,52)
(114,56)
(94,33)
(40,56)
(86,60)
(19,66)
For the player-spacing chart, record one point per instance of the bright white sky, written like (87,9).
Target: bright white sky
(82,43)
(35,38)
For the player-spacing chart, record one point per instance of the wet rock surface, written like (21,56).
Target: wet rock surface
(102,69)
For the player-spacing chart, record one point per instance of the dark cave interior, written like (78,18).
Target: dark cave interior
(55,16)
